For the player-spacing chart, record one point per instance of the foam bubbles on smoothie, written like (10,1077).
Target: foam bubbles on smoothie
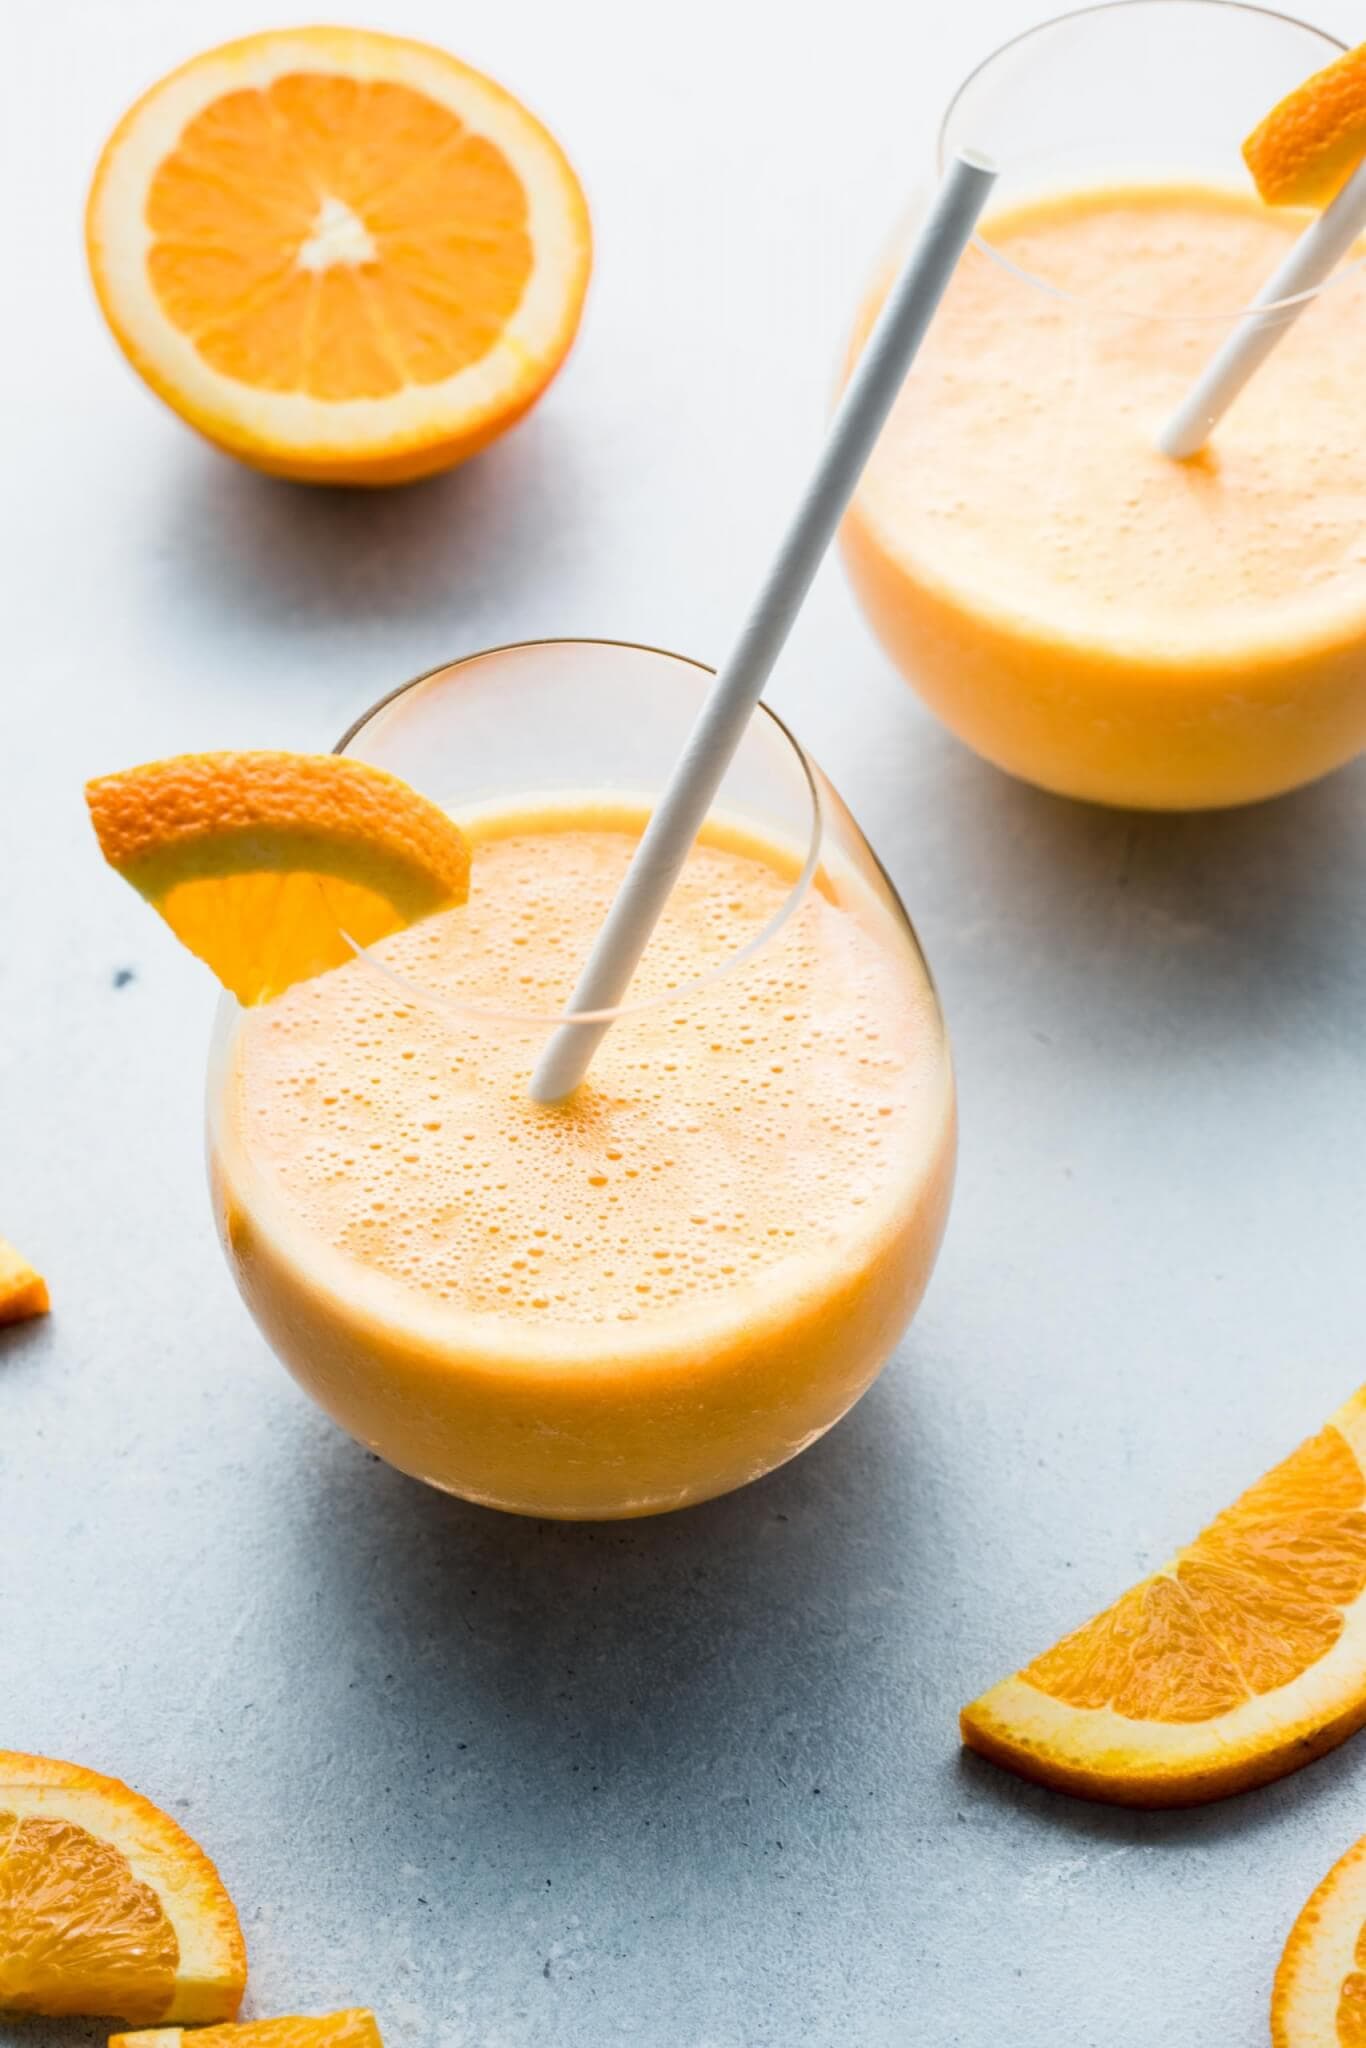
(746,1129)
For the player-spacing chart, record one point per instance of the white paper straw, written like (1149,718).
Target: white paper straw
(675,823)
(1319,250)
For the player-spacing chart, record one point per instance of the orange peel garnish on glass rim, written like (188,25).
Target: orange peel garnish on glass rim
(1306,149)
(273,867)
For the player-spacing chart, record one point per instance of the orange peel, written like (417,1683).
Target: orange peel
(1319,1996)
(1310,143)
(356,2027)
(23,1290)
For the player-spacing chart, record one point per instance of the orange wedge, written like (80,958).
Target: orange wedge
(106,1905)
(1240,1660)
(23,1292)
(1319,1997)
(343,256)
(1308,146)
(269,866)
(355,2028)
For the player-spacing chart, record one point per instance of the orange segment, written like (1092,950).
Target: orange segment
(342,255)
(354,2028)
(106,1905)
(1244,1657)
(1308,146)
(1319,1997)
(269,866)
(23,1292)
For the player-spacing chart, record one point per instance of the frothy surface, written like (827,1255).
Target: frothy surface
(1020,463)
(749,1132)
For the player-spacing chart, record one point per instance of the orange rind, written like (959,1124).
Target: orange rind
(1243,1658)
(107,1908)
(1308,146)
(344,257)
(1319,1996)
(354,2028)
(23,1291)
(273,867)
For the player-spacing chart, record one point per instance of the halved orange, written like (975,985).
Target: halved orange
(107,1908)
(343,256)
(1319,1997)
(272,867)
(1240,1660)
(354,2028)
(1308,146)
(23,1292)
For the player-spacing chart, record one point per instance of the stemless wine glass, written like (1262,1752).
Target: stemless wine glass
(1080,609)
(687,1272)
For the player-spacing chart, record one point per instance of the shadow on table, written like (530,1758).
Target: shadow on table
(304,557)
(1193,927)
(633,1660)
(1087,1822)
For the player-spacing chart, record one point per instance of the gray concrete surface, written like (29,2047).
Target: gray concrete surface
(694,1783)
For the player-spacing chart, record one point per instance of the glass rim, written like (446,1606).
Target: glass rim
(1118,308)
(550,1020)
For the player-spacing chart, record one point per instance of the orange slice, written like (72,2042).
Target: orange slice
(1319,1997)
(355,2028)
(1308,146)
(1240,1660)
(269,865)
(106,1905)
(344,257)
(23,1292)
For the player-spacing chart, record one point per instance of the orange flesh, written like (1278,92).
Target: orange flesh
(78,1933)
(1248,1606)
(337,238)
(645,1295)
(1080,609)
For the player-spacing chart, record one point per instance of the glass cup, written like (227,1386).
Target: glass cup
(687,1272)
(1081,610)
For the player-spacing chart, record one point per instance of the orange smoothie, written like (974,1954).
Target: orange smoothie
(643,1296)
(1081,610)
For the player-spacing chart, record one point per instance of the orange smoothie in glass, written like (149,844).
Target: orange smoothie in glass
(643,1296)
(1081,610)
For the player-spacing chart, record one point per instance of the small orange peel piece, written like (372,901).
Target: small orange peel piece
(1319,1996)
(107,1908)
(1308,146)
(1243,1658)
(354,2028)
(345,257)
(23,1291)
(273,867)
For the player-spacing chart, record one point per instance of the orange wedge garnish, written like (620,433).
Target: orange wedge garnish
(23,1292)
(1308,146)
(355,2028)
(1319,1997)
(107,1908)
(272,867)
(343,256)
(1242,1659)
